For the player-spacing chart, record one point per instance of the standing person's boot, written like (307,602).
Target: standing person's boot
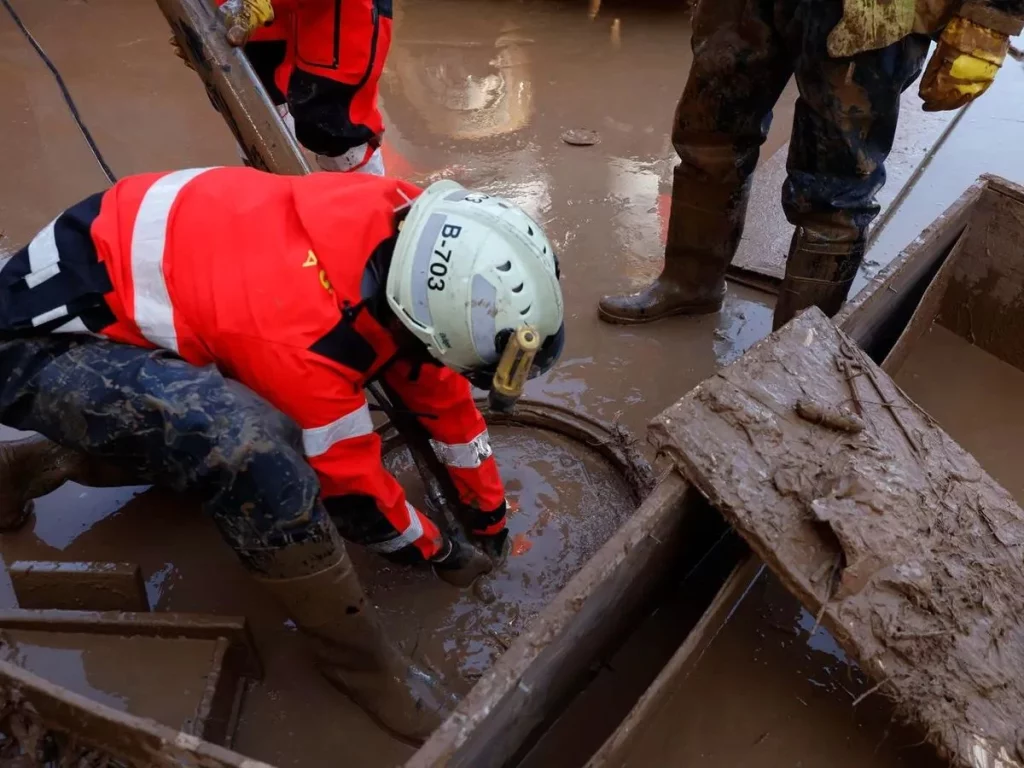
(34,466)
(820,269)
(704,230)
(317,585)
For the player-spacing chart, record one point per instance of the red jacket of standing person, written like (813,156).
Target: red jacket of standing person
(324,59)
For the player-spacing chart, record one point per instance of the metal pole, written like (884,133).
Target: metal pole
(234,88)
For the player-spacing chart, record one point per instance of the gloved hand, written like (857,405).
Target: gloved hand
(462,564)
(243,17)
(495,546)
(963,66)
(176,47)
(487,530)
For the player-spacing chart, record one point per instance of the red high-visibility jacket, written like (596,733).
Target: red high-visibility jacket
(325,59)
(270,278)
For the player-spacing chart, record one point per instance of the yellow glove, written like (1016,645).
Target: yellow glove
(963,66)
(243,17)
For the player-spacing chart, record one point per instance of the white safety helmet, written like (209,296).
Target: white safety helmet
(470,269)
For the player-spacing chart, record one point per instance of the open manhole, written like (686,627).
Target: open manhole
(571,482)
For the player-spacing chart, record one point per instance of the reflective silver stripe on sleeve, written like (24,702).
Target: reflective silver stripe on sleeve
(413,531)
(464,455)
(318,441)
(154,314)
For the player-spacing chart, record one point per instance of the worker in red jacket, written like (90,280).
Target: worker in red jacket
(213,330)
(320,62)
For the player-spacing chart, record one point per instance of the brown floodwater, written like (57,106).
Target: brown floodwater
(773,690)
(161,678)
(974,396)
(565,503)
(478,90)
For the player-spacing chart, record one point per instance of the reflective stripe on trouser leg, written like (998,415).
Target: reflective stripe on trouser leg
(464,455)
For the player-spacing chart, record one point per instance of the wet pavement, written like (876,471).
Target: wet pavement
(478,90)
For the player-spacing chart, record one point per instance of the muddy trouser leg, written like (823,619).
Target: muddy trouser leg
(740,68)
(166,422)
(183,427)
(843,130)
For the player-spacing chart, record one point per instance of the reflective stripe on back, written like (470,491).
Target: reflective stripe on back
(154,314)
(318,441)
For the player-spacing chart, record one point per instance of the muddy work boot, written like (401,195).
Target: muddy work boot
(704,229)
(34,466)
(317,585)
(820,269)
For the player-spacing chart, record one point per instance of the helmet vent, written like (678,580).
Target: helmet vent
(524,311)
(529,229)
(518,288)
(504,267)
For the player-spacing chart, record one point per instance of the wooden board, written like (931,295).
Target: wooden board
(909,548)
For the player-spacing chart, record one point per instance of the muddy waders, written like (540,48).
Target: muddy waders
(819,272)
(318,587)
(744,54)
(703,232)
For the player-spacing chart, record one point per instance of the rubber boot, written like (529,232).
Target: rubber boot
(820,269)
(34,466)
(323,596)
(704,229)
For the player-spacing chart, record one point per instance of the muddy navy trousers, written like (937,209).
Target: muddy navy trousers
(170,424)
(745,52)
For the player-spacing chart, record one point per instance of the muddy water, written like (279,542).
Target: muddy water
(975,397)
(768,692)
(565,504)
(161,678)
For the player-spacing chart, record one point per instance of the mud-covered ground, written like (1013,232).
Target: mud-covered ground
(481,91)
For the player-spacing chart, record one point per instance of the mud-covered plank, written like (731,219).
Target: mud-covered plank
(864,506)
(79,586)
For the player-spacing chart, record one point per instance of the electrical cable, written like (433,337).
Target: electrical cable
(64,91)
